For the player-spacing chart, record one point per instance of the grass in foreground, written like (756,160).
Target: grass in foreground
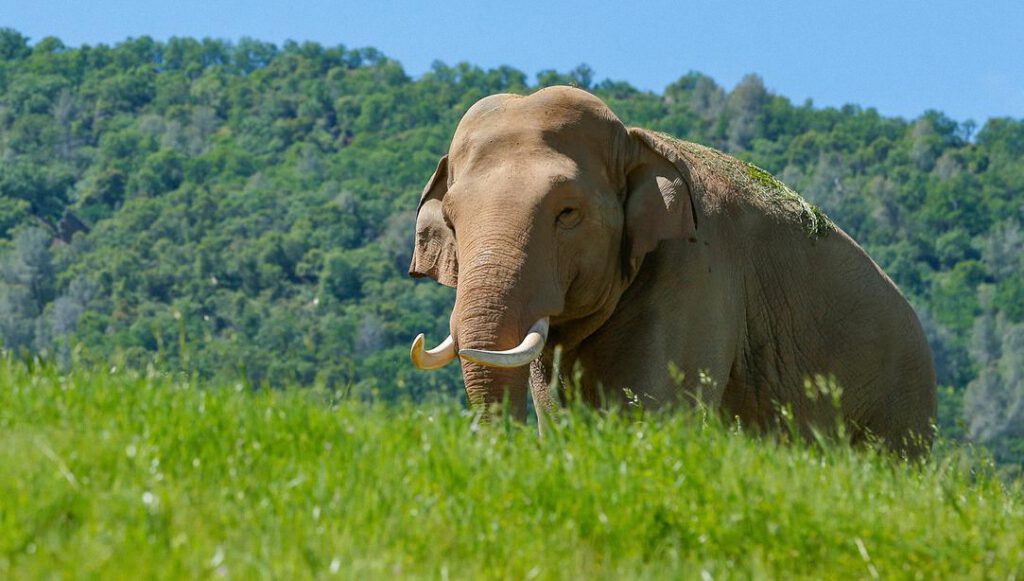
(112,475)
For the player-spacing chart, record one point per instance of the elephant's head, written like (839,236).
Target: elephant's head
(541,214)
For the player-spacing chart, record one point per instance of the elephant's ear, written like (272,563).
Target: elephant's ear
(434,254)
(659,201)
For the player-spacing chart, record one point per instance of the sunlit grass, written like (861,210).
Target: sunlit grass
(122,476)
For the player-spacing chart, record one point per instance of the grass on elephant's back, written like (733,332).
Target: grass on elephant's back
(118,474)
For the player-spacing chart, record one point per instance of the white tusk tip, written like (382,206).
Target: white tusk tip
(434,358)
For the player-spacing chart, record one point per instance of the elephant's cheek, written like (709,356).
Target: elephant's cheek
(488,388)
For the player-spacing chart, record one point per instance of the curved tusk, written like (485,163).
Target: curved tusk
(526,352)
(435,358)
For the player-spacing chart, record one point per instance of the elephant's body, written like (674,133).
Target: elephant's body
(641,251)
(767,294)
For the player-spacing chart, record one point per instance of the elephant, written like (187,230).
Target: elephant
(642,258)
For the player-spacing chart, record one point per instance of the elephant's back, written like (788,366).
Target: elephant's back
(816,303)
(895,367)
(830,309)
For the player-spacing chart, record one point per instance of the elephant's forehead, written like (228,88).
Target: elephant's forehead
(536,121)
(527,143)
(521,177)
(553,135)
(498,135)
(512,126)
(520,143)
(551,106)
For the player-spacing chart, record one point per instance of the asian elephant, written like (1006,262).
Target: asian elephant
(633,250)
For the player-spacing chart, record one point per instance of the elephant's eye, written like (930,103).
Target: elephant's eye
(569,217)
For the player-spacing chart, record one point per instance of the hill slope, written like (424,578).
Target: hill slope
(116,474)
(245,210)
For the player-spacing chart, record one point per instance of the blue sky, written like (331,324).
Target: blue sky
(900,56)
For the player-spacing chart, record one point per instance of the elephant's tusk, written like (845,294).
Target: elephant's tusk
(526,352)
(435,358)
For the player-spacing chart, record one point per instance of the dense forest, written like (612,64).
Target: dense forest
(244,211)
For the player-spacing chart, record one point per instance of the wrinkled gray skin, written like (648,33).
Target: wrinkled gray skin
(642,255)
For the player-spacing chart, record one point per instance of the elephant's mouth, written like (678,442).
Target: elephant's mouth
(528,349)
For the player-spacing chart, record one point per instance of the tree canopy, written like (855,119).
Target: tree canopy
(245,210)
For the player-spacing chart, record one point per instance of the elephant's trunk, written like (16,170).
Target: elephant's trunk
(490,388)
(498,302)
(486,386)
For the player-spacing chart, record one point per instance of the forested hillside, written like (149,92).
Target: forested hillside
(245,211)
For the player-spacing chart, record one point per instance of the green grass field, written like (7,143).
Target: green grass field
(114,475)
